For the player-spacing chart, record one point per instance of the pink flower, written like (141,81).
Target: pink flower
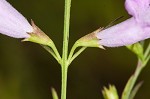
(12,23)
(130,31)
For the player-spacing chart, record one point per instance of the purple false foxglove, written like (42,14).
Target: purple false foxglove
(130,31)
(13,24)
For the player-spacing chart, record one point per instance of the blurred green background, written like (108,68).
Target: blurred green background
(27,71)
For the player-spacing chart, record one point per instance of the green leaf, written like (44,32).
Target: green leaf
(135,90)
(137,49)
(131,82)
(54,93)
(126,91)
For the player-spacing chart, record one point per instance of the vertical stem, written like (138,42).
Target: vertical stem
(64,82)
(64,64)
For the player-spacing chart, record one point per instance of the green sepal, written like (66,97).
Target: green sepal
(135,90)
(90,40)
(137,49)
(38,36)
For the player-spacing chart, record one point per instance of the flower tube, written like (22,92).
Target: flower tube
(130,31)
(12,23)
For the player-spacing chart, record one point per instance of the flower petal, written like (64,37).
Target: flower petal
(140,10)
(12,23)
(125,33)
(134,7)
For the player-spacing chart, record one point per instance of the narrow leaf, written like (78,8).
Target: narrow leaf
(126,93)
(135,90)
(54,93)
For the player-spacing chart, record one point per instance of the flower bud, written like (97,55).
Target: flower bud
(110,93)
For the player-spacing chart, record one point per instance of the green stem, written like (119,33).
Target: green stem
(147,51)
(136,74)
(64,82)
(56,52)
(132,80)
(72,51)
(76,55)
(147,59)
(51,52)
(64,64)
